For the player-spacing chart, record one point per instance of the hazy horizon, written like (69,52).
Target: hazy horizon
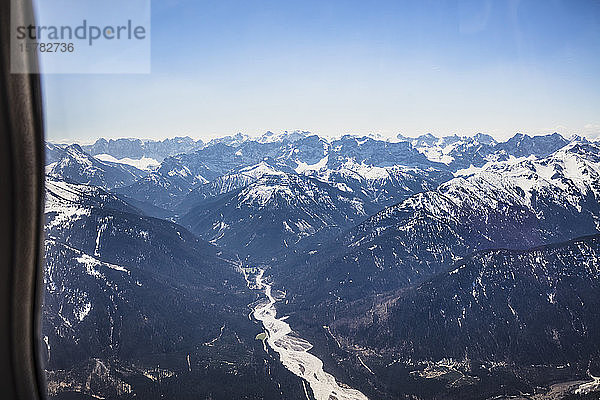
(328,137)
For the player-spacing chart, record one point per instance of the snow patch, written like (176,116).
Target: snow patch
(304,168)
(144,163)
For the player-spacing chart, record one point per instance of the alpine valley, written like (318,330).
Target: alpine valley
(299,267)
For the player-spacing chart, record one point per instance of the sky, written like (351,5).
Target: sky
(336,67)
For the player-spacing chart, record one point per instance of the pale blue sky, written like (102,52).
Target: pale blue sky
(333,67)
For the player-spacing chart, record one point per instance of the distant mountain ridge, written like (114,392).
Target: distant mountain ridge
(138,148)
(305,153)
(449,150)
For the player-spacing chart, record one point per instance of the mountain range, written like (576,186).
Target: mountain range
(455,267)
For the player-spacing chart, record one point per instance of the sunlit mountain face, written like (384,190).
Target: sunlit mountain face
(295,266)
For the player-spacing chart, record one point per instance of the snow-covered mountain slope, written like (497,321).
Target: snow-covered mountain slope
(276,212)
(63,197)
(499,321)
(144,163)
(76,166)
(136,305)
(224,184)
(504,205)
(53,152)
(94,221)
(382,185)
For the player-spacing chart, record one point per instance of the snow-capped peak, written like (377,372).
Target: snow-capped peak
(258,170)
